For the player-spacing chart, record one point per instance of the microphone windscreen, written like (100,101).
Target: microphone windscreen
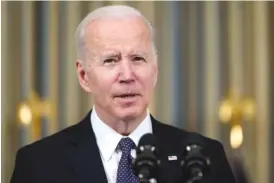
(147,139)
(194,139)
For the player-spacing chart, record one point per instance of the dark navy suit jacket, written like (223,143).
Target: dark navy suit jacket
(72,156)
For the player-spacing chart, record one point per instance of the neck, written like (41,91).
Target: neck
(123,126)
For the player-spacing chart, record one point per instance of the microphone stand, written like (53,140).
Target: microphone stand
(148,181)
(144,176)
(197,174)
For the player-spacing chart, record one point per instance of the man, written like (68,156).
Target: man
(117,65)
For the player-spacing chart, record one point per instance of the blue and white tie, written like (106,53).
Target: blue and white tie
(125,171)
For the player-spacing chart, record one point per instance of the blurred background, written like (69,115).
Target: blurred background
(215,59)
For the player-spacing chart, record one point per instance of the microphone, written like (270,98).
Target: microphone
(195,165)
(146,165)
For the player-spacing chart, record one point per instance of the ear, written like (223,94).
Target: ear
(82,76)
(155,75)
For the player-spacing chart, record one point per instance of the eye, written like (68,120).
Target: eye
(109,61)
(138,58)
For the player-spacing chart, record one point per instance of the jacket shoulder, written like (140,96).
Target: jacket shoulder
(180,136)
(52,141)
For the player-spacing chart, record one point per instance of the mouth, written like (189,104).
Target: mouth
(127,95)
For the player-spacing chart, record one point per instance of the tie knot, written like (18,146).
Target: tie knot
(126,145)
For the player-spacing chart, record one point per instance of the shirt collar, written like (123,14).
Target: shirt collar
(108,139)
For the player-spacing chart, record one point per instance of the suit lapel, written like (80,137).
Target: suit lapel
(84,155)
(168,142)
(169,139)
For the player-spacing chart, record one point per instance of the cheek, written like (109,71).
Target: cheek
(101,82)
(147,78)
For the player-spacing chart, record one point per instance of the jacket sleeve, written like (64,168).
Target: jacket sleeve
(222,170)
(21,167)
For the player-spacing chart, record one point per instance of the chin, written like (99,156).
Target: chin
(129,113)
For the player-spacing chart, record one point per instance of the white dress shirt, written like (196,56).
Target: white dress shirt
(108,139)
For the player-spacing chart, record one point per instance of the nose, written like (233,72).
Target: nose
(127,72)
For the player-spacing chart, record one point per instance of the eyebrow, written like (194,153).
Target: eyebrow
(111,55)
(118,54)
(139,54)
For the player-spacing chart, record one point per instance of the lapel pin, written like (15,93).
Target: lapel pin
(172,158)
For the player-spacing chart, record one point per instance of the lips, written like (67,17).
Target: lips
(126,95)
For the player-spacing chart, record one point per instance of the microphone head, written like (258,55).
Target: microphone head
(194,139)
(146,164)
(147,141)
(195,164)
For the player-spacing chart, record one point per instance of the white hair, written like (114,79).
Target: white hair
(120,11)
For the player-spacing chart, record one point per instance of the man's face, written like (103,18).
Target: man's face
(120,70)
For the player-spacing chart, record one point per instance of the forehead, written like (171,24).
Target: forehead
(111,32)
